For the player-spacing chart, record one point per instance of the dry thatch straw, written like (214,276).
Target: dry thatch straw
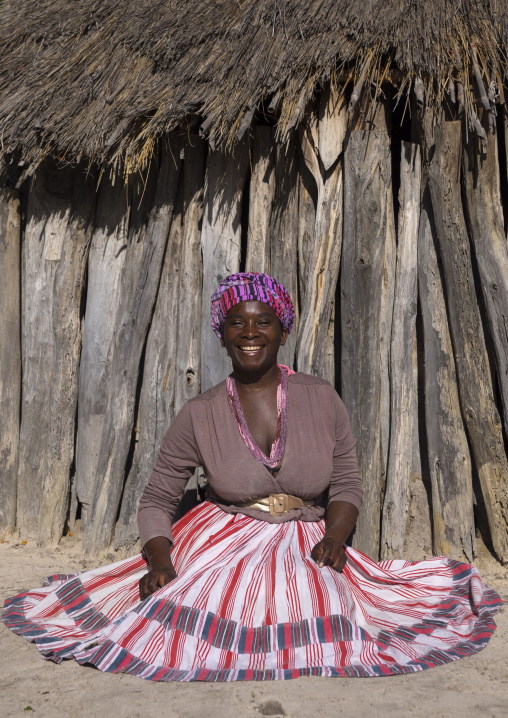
(105,79)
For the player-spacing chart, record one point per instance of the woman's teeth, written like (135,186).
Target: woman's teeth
(250,349)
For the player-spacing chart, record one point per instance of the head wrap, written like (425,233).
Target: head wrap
(251,286)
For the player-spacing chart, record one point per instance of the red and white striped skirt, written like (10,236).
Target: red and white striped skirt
(250,604)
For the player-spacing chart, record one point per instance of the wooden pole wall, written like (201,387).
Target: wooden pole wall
(403,298)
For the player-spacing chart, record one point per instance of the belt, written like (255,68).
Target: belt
(277,504)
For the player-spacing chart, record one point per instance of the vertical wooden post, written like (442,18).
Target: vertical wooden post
(284,233)
(108,252)
(156,406)
(262,185)
(367,183)
(397,495)
(149,227)
(60,215)
(188,374)
(10,354)
(449,461)
(226,173)
(482,196)
(313,333)
(475,391)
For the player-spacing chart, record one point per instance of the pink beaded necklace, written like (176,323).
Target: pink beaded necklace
(279,442)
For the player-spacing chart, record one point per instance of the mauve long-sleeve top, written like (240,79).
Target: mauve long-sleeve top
(319,461)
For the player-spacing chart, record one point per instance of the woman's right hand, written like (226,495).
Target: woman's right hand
(156,578)
(158,554)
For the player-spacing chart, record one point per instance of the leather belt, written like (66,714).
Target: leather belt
(277,504)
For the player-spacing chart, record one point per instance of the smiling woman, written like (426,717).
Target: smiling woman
(257,583)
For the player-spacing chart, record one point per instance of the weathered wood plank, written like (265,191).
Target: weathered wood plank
(59,226)
(333,118)
(313,341)
(306,224)
(367,182)
(385,333)
(188,364)
(453,528)
(10,353)
(262,186)
(108,253)
(475,391)
(149,227)
(484,212)
(284,234)
(397,495)
(226,173)
(156,405)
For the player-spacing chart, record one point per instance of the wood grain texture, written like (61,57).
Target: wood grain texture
(60,215)
(225,178)
(315,341)
(188,356)
(261,191)
(150,221)
(284,234)
(480,415)
(484,213)
(333,118)
(367,182)
(397,494)
(108,253)
(453,531)
(10,353)
(156,404)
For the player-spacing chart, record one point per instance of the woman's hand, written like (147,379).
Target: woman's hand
(340,520)
(329,552)
(155,579)
(162,571)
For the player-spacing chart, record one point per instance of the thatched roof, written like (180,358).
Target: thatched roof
(104,79)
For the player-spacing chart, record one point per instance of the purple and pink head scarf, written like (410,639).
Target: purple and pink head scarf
(251,286)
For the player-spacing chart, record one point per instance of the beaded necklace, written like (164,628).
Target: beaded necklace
(279,442)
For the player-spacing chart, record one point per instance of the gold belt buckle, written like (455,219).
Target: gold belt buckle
(278,504)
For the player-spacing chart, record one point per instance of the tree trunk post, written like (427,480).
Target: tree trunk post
(10,353)
(397,495)
(262,186)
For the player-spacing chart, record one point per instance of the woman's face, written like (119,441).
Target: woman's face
(252,336)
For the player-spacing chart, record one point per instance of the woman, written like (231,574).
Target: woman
(254,583)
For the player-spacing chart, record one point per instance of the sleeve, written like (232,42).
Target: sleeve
(178,457)
(346,483)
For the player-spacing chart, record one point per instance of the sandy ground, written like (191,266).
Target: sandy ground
(30,686)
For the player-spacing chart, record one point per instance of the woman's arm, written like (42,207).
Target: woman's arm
(340,521)
(157,552)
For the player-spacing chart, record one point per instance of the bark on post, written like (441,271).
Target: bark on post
(149,227)
(481,183)
(226,173)
(476,398)
(108,252)
(10,354)
(188,374)
(453,528)
(367,182)
(156,406)
(313,342)
(262,185)
(397,495)
(60,216)
(284,234)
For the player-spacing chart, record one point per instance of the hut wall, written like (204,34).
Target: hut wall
(395,257)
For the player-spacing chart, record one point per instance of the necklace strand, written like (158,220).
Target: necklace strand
(279,442)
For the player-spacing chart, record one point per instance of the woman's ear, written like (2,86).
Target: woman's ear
(283,336)
(222,342)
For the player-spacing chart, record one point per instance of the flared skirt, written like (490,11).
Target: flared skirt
(249,603)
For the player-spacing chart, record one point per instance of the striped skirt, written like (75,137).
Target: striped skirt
(250,604)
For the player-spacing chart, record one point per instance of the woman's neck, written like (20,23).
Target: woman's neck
(252,381)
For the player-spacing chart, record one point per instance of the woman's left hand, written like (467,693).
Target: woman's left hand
(329,552)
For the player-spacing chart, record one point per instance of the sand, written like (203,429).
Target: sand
(476,686)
